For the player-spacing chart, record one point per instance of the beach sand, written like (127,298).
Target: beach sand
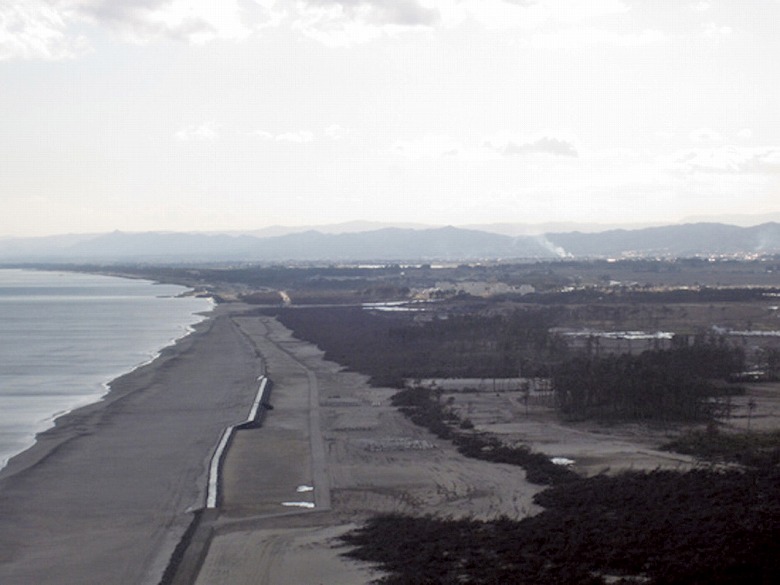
(103,497)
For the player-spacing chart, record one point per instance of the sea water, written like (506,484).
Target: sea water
(64,336)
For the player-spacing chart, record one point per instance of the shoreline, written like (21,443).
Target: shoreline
(58,421)
(96,495)
(98,386)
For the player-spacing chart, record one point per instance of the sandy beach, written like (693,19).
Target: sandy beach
(103,496)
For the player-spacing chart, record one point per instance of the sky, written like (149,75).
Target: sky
(214,115)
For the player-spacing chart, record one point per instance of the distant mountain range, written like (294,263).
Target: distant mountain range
(394,244)
(694,239)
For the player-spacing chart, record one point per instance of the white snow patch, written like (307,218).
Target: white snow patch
(298,504)
(562,461)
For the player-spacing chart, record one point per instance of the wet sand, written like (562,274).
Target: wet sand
(104,496)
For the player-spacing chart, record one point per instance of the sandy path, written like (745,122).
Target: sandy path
(102,497)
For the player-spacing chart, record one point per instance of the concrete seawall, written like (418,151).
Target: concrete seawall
(253,420)
(192,549)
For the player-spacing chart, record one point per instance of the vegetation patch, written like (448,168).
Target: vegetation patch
(659,527)
(664,385)
(393,348)
(754,449)
(423,408)
(657,385)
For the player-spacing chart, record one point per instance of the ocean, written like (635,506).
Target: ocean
(64,336)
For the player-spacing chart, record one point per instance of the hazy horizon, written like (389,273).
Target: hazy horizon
(239,115)
(357,226)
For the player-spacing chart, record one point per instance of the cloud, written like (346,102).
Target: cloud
(32,29)
(208,132)
(44,29)
(348,22)
(380,12)
(543,145)
(729,160)
(192,21)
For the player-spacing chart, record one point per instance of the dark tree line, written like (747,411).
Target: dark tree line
(700,527)
(666,385)
(393,347)
(674,384)
(752,449)
(672,296)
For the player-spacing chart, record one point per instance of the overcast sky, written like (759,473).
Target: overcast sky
(237,114)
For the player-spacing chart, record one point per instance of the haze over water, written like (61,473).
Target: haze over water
(64,336)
